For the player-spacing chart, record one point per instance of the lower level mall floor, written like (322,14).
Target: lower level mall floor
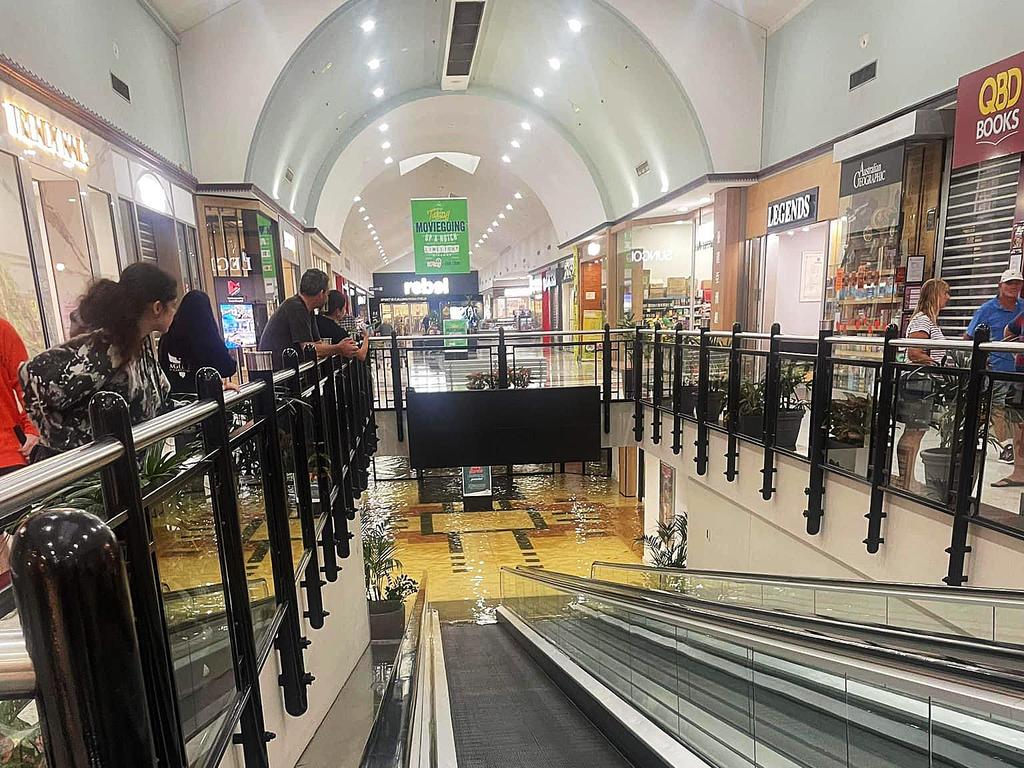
(541,516)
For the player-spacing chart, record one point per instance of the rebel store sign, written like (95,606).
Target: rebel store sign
(793,211)
(988,113)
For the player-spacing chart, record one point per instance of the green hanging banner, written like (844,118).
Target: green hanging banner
(440,236)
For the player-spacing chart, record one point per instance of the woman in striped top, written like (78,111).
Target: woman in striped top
(914,407)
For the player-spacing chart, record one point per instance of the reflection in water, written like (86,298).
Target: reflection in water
(560,522)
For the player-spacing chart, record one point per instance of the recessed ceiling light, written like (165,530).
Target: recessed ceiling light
(575,25)
(383,128)
(485,236)
(370,227)
(555,63)
(494,223)
(366,218)
(501,215)
(368,25)
(525,125)
(508,206)
(388,160)
(356,199)
(538,92)
(705,200)
(386,145)
(518,195)
(362,209)
(490,231)
(378,92)
(515,143)
(373,64)
(326,68)
(506,159)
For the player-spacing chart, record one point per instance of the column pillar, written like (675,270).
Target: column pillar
(728,263)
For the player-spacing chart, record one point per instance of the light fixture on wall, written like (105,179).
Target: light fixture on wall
(593,248)
(368,25)
(525,125)
(575,25)
(373,64)
(538,92)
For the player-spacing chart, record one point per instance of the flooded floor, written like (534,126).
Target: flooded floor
(560,522)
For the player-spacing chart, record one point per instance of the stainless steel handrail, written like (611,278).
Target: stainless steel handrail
(945,344)
(160,428)
(383,341)
(871,341)
(243,392)
(999,346)
(1011,598)
(17,676)
(36,481)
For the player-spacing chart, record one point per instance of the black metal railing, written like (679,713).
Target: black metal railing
(850,406)
(224,509)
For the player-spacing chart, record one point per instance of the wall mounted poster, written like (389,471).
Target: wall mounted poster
(812,275)
(667,494)
(440,236)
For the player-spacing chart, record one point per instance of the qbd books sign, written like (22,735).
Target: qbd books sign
(988,113)
(440,236)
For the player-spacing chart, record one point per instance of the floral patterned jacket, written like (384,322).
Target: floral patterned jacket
(60,382)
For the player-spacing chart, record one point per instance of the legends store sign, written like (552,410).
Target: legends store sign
(988,113)
(440,236)
(793,211)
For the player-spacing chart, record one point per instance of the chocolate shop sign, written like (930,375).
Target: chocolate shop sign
(793,211)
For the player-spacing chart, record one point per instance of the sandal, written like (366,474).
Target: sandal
(1008,483)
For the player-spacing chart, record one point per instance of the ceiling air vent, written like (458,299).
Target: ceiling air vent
(863,75)
(643,169)
(463,34)
(289,174)
(120,87)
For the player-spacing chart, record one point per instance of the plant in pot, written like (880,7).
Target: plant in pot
(386,585)
(718,391)
(848,428)
(667,545)
(791,406)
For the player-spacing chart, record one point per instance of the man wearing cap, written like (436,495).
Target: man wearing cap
(997,313)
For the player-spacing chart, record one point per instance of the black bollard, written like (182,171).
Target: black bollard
(71,590)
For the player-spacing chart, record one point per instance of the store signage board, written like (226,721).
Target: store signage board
(38,133)
(425,287)
(476,481)
(456,327)
(550,279)
(440,236)
(793,211)
(867,172)
(644,255)
(988,113)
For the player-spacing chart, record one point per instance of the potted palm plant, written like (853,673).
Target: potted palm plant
(386,585)
(791,406)
(667,545)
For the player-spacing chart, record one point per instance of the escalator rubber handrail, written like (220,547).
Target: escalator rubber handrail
(971,672)
(952,594)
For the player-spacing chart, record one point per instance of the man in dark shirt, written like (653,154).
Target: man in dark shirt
(292,325)
(330,322)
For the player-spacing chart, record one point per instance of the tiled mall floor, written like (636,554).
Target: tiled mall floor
(560,522)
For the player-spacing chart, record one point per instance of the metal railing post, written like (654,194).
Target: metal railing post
(968,437)
(606,377)
(289,641)
(216,442)
(304,492)
(396,386)
(677,390)
(703,391)
(732,419)
(819,428)
(502,361)
(880,432)
(638,386)
(108,416)
(657,394)
(771,413)
(75,607)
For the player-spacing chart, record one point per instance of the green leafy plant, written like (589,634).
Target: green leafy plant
(792,376)
(518,378)
(850,419)
(381,569)
(667,545)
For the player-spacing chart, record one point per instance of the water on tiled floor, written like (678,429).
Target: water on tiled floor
(561,522)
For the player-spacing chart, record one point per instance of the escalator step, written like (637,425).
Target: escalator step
(508,713)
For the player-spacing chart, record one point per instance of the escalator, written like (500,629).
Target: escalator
(641,666)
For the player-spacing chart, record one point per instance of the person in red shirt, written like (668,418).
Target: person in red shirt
(18,436)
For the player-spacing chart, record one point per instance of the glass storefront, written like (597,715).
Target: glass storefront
(666,271)
(19,300)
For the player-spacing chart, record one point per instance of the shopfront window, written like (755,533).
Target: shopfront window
(666,277)
(101,212)
(188,254)
(59,207)
(130,227)
(794,279)
(19,300)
